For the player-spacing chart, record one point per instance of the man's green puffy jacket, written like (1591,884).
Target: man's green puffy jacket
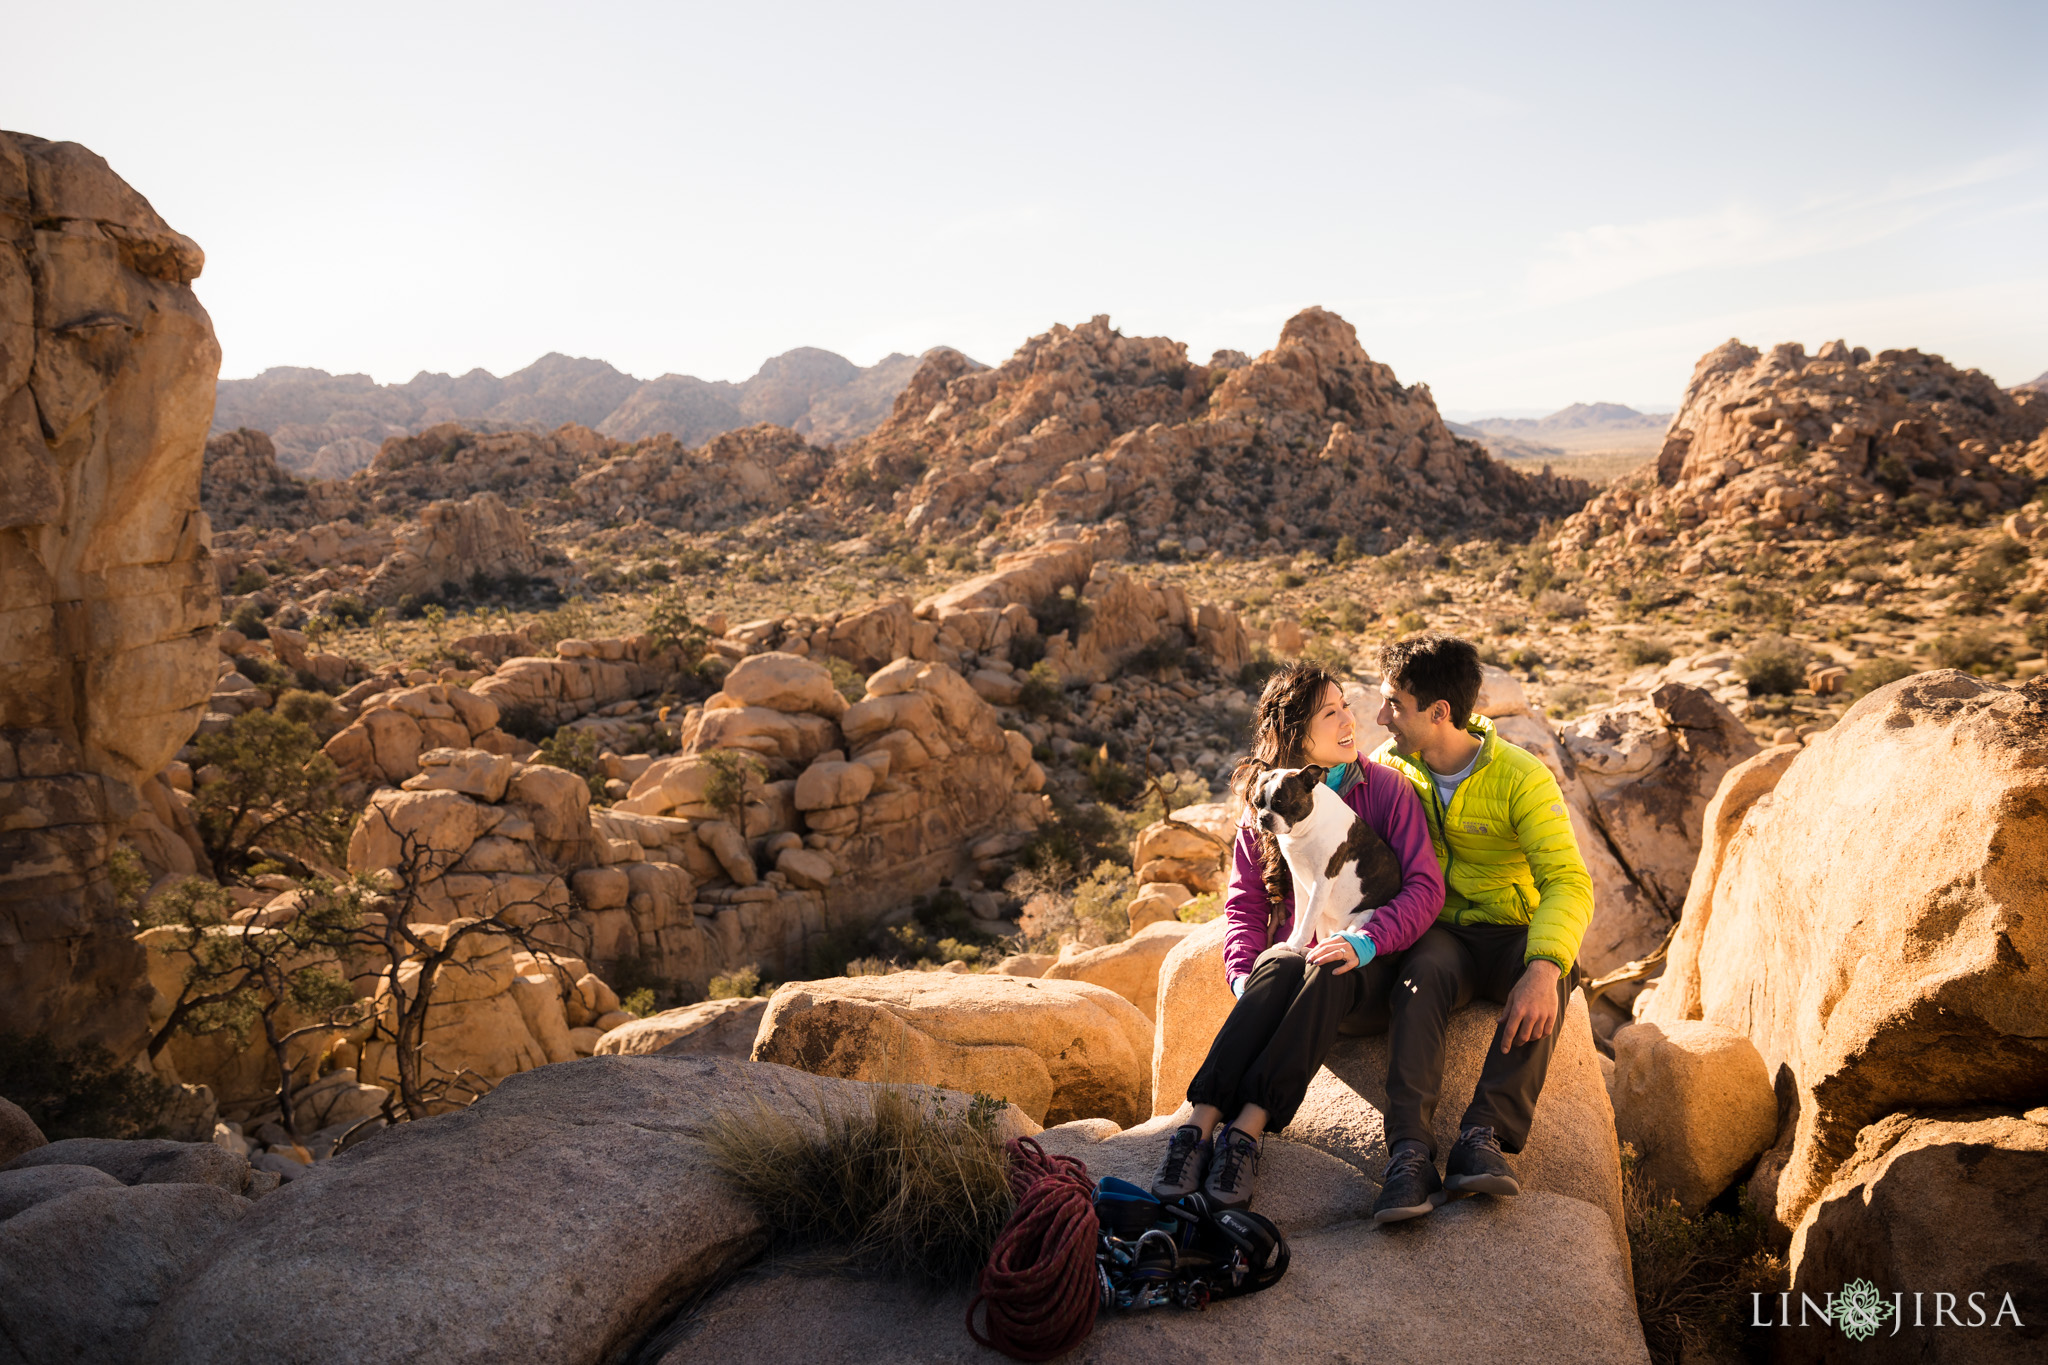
(1506,846)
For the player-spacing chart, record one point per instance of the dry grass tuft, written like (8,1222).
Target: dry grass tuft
(906,1183)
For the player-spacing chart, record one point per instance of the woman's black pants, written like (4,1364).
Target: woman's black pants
(1283,1026)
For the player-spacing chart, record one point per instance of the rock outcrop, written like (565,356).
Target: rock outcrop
(1697,1103)
(449,543)
(1055,1049)
(1936,1204)
(1787,444)
(733,477)
(1874,925)
(1087,426)
(107,596)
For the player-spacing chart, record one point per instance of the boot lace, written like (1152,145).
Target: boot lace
(1231,1156)
(1180,1148)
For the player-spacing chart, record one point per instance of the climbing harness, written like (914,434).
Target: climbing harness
(1074,1248)
(1187,1253)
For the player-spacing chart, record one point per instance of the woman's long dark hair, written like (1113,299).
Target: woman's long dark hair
(1279,740)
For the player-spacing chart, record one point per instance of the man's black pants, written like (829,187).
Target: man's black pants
(1283,1026)
(1446,969)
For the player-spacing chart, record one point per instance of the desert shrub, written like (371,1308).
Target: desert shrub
(1694,1276)
(571,620)
(669,622)
(1252,677)
(1287,578)
(574,751)
(1773,666)
(1063,611)
(1635,653)
(248,619)
(741,983)
(348,610)
(726,789)
(272,783)
(251,579)
(80,1091)
(846,679)
(1569,699)
(1041,695)
(896,1179)
(1560,606)
(644,991)
(263,672)
(1411,622)
(1527,658)
(1112,781)
(522,721)
(315,710)
(1167,652)
(1965,649)
(1867,677)
(1100,898)
(1201,909)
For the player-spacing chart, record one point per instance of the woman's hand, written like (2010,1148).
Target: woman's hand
(1334,949)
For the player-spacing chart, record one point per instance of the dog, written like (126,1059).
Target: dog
(1343,871)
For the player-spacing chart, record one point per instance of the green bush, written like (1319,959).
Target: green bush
(740,984)
(273,782)
(726,790)
(249,580)
(1773,666)
(1867,677)
(248,619)
(1041,695)
(1201,909)
(1635,653)
(846,679)
(1694,1276)
(1100,898)
(1966,650)
(80,1091)
(1560,606)
(575,751)
(669,622)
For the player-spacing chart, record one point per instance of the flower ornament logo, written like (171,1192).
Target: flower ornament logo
(1860,1310)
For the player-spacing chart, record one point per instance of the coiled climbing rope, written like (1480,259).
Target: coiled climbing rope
(1039,1289)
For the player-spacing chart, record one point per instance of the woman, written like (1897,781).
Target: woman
(1289,1003)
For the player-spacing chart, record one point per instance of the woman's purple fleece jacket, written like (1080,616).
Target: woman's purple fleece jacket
(1390,806)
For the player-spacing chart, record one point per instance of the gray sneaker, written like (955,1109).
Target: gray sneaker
(1185,1163)
(1232,1170)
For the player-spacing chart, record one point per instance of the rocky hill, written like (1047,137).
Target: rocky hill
(1785,446)
(329,426)
(1599,418)
(1083,425)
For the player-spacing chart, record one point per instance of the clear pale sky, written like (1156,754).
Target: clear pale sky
(1521,206)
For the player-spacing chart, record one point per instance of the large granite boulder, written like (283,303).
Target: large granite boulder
(1697,1103)
(556,1219)
(1055,1049)
(1556,1280)
(1878,924)
(710,1028)
(1950,1203)
(107,592)
(81,1272)
(1130,968)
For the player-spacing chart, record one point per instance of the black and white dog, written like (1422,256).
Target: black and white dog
(1343,871)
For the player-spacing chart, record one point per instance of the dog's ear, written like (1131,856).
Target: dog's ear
(1313,775)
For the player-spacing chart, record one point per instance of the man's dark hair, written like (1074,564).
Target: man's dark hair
(1434,668)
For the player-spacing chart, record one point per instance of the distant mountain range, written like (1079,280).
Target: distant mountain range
(330,425)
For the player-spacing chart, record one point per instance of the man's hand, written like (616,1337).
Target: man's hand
(1334,949)
(1532,1006)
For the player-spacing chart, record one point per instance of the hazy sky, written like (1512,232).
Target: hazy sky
(1519,205)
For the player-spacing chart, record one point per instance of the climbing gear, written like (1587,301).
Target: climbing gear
(1185,1163)
(1411,1187)
(1042,1287)
(1186,1251)
(1476,1166)
(1232,1169)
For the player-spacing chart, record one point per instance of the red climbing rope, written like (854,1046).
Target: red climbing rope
(1039,1285)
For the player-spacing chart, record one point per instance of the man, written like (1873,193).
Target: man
(1517,902)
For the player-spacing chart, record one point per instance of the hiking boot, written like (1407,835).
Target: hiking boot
(1411,1187)
(1475,1165)
(1185,1163)
(1233,1168)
